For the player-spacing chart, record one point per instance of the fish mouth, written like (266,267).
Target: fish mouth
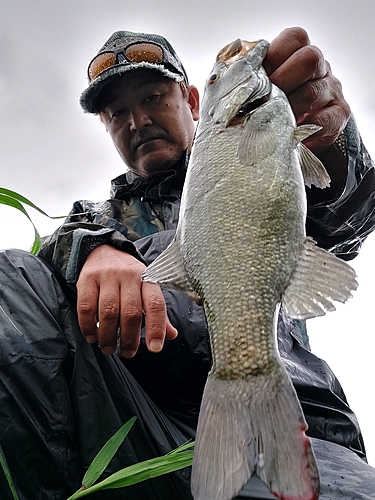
(247,108)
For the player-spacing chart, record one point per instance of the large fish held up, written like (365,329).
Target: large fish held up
(241,247)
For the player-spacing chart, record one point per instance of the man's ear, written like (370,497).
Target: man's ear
(193,101)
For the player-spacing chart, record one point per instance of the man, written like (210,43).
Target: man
(77,394)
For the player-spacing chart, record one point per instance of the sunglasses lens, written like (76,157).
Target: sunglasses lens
(100,63)
(140,52)
(144,52)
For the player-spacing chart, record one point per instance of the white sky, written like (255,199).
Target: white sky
(54,154)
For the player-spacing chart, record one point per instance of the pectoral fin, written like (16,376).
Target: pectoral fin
(313,170)
(319,279)
(168,271)
(304,131)
(258,140)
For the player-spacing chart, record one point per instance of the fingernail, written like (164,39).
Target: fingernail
(107,350)
(90,339)
(128,353)
(156,345)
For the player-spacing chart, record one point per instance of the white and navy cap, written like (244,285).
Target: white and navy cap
(125,51)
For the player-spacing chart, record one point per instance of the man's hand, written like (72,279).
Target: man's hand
(300,70)
(111,296)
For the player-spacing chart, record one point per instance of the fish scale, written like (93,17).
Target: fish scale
(240,249)
(245,310)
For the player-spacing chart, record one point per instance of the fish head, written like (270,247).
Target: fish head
(237,80)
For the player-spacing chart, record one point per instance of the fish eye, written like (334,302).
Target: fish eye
(213,78)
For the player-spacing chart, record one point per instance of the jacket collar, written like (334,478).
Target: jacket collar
(162,185)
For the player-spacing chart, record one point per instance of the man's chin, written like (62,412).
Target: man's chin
(153,166)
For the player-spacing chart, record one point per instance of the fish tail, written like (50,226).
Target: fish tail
(253,425)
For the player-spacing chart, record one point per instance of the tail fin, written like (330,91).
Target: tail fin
(253,425)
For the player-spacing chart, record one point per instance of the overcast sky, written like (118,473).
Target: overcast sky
(54,154)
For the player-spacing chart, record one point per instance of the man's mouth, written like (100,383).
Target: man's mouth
(144,140)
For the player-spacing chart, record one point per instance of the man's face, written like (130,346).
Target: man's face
(150,119)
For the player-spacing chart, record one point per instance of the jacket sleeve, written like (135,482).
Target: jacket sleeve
(343,224)
(87,226)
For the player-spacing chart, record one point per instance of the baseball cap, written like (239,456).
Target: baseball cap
(125,51)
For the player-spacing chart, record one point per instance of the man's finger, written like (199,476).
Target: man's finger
(108,315)
(283,46)
(170,331)
(155,316)
(332,119)
(87,304)
(312,96)
(130,319)
(304,65)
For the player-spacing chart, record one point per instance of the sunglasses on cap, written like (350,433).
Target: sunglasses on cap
(136,53)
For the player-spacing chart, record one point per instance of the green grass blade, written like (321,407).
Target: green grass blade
(106,454)
(37,243)
(16,200)
(8,477)
(140,472)
(18,197)
(13,202)
(183,447)
(147,470)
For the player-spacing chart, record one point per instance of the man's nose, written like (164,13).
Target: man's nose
(138,118)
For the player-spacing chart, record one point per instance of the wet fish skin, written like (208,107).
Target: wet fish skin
(241,247)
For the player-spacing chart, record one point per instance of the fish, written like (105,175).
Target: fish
(241,249)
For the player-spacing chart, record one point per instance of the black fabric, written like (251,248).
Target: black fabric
(61,398)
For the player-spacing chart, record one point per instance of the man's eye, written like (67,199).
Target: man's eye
(152,97)
(118,112)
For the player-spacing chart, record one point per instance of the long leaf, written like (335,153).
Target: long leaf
(106,454)
(16,196)
(183,447)
(142,471)
(13,202)
(5,468)
(16,200)
(146,470)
